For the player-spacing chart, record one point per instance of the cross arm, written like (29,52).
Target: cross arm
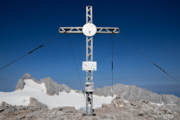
(100,30)
(70,30)
(108,30)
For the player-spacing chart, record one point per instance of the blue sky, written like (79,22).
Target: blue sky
(151,26)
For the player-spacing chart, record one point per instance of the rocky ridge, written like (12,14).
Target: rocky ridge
(52,87)
(129,92)
(118,109)
(134,93)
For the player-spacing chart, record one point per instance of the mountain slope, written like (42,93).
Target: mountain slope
(134,93)
(129,92)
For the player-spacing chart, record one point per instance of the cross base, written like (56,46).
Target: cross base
(88,115)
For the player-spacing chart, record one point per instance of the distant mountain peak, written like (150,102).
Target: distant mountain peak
(21,83)
(26,76)
(52,87)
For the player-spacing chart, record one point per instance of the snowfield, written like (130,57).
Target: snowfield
(38,91)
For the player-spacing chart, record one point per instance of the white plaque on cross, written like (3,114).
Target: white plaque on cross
(89,66)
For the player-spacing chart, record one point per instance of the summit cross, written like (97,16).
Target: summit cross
(89,30)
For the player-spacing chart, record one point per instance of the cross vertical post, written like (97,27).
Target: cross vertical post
(89,57)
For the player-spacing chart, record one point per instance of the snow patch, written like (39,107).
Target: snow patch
(38,91)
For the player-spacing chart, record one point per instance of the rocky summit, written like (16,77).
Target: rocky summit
(143,110)
(118,109)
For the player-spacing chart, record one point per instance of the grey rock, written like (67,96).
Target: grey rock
(66,88)
(1,109)
(60,113)
(36,103)
(21,117)
(141,113)
(119,97)
(20,107)
(53,87)
(169,111)
(33,108)
(168,117)
(20,84)
(166,111)
(9,110)
(118,101)
(133,103)
(76,91)
(68,109)
(104,105)
(3,104)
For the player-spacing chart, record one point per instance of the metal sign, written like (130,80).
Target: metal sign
(89,87)
(89,66)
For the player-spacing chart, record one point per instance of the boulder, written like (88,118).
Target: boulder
(133,103)
(36,103)
(3,104)
(104,105)
(68,109)
(141,113)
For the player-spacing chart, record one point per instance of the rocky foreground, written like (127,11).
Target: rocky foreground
(117,110)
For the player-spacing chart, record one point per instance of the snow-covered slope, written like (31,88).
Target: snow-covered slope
(38,91)
(54,95)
